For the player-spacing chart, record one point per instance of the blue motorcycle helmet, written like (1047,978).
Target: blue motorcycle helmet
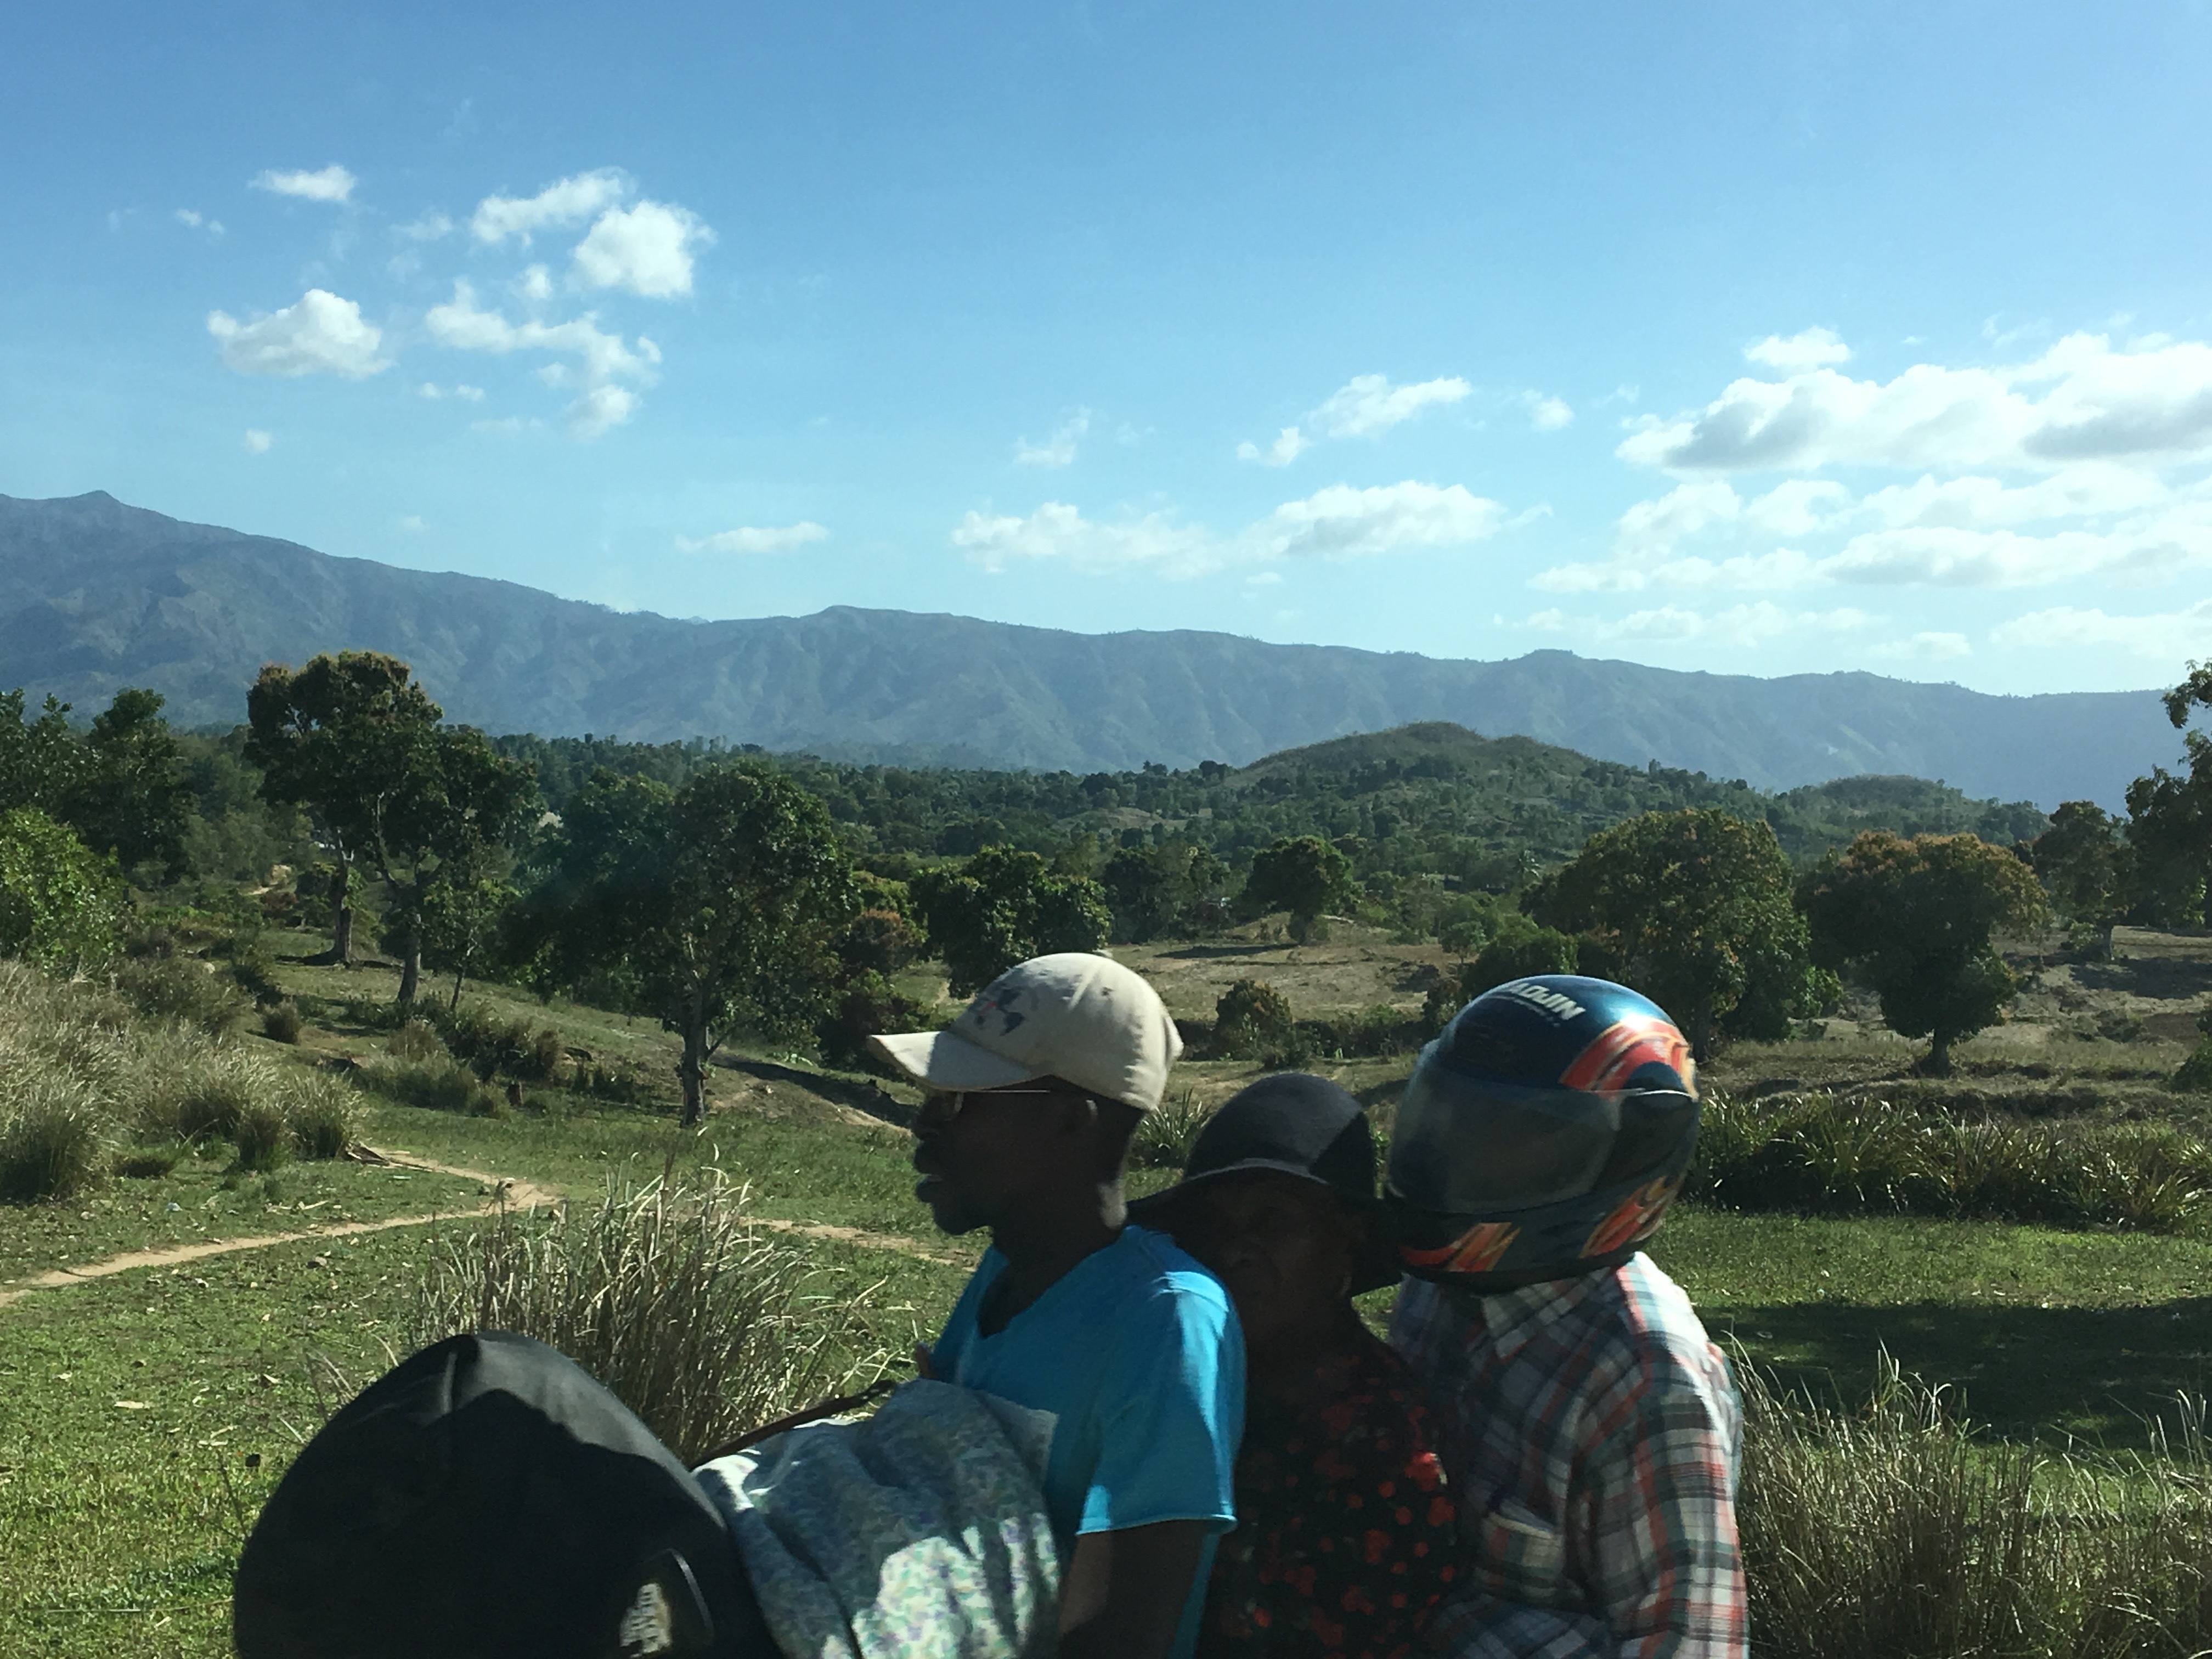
(1542,1135)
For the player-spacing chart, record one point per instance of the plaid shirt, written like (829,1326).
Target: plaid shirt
(1590,1432)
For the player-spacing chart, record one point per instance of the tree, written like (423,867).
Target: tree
(349,738)
(1516,950)
(1915,918)
(1005,906)
(1692,907)
(2083,864)
(1303,875)
(717,905)
(39,760)
(128,796)
(62,905)
(459,919)
(2170,819)
(1249,1017)
(1160,889)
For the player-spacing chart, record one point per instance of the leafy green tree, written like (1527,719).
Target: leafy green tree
(1251,1017)
(2170,819)
(40,760)
(62,905)
(1692,908)
(716,906)
(130,796)
(1154,891)
(2083,865)
(1516,950)
(1301,874)
(459,917)
(1915,919)
(349,738)
(1005,906)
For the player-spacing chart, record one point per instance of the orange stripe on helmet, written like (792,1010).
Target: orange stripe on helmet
(1614,1055)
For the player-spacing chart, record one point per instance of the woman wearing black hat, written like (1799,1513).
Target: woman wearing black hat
(1343,1528)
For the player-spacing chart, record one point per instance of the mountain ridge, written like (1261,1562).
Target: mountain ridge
(95,595)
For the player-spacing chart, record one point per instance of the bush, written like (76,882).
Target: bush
(491,1047)
(61,905)
(217,1097)
(1519,950)
(416,1040)
(1250,1016)
(1165,1134)
(263,1135)
(282,1023)
(324,1118)
(184,989)
(867,1004)
(1380,1029)
(442,1085)
(697,1322)
(53,1141)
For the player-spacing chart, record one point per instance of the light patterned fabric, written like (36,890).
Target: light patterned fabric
(1590,1432)
(920,1533)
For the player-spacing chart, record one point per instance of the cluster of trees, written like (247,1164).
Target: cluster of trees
(721,889)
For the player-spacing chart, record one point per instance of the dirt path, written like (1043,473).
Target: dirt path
(509,1193)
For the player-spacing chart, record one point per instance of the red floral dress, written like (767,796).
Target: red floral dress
(1344,1528)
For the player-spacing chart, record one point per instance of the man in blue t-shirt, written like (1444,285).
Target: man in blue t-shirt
(1129,1345)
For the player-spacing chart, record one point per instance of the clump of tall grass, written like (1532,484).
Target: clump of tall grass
(282,1023)
(184,989)
(439,1084)
(262,1135)
(324,1116)
(698,1322)
(1823,1152)
(53,1140)
(1165,1134)
(1895,1532)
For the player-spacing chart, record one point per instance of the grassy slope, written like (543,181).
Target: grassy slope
(118,1522)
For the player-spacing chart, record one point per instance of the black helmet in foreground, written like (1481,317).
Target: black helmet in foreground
(1542,1135)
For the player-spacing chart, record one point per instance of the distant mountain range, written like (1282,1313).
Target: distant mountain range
(95,595)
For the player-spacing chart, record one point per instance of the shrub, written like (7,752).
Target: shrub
(323,1117)
(442,1085)
(867,1004)
(1165,1134)
(1251,1015)
(1519,949)
(697,1322)
(53,1141)
(184,989)
(491,1047)
(62,906)
(416,1040)
(213,1100)
(282,1023)
(263,1135)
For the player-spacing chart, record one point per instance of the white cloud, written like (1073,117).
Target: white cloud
(433,393)
(1289,445)
(2153,405)
(1058,450)
(430,227)
(601,358)
(1778,571)
(647,249)
(1365,406)
(1924,646)
(756,538)
(1815,348)
(412,523)
(318,334)
(256,442)
(192,220)
(1546,414)
(535,282)
(1338,522)
(1368,404)
(571,201)
(2171,638)
(331,184)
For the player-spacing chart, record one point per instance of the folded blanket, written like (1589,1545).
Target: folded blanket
(920,1533)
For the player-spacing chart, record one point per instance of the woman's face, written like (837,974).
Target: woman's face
(1283,1246)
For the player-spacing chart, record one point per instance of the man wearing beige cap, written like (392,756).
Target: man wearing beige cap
(1129,1345)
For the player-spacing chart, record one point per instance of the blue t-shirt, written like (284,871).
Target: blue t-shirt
(1136,1353)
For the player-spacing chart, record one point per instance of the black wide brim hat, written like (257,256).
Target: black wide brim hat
(1291,1124)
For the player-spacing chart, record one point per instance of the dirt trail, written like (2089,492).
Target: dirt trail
(507,1193)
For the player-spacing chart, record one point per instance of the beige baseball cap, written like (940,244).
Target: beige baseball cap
(1076,1016)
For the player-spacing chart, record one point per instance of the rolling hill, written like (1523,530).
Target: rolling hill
(95,595)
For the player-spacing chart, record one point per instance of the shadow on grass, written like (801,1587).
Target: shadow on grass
(857,1094)
(2097,1373)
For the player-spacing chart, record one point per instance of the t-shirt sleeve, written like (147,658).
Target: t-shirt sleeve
(1171,1411)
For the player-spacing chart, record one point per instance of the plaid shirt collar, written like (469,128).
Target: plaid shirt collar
(1513,1319)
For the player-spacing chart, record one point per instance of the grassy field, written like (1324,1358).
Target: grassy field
(144,1415)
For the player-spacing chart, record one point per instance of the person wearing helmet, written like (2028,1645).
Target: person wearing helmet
(1126,1343)
(1344,1524)
(1589,1428)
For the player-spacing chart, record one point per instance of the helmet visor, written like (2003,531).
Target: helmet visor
(1462,1145)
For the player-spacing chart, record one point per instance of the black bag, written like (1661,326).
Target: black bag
(486,1499)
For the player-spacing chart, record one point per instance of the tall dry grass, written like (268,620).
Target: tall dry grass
(702,1325)
(1895,1532)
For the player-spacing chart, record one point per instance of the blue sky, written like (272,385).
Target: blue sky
(1753,338)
